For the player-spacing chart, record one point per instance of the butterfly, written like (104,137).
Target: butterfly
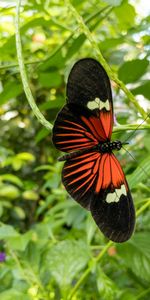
(92,174)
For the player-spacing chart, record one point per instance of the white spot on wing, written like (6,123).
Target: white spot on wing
(97,103)
(115,196)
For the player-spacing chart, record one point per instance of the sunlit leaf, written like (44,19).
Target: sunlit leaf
(10,91)
(125,14)
(25,156)
(141,173)
(9,192)
(132,70)
(30,195)
(41,135)
(66,259)
(50,79)
(11,178)
(143,89)
(13,293)
(113,3)
(136,255)
(105,285)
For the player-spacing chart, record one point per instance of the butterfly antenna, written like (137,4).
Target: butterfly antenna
(136,161)
(129,136)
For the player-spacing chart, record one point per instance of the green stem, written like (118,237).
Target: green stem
(130,127)
(99,55)
(13,65)
(23,74)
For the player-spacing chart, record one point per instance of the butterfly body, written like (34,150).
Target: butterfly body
(92,175)
(109,146)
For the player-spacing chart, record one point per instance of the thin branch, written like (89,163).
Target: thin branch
(23,74)
(13,65)
(99,55)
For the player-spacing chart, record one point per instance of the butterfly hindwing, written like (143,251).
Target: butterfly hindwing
(79,176)
(112,208)
(115,219)
(98,183)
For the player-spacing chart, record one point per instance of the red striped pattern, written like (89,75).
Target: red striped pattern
(92,173)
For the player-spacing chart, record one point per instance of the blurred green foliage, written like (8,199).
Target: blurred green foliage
(48,239)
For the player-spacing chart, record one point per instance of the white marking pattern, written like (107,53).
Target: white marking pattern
(115,196)
(97,103)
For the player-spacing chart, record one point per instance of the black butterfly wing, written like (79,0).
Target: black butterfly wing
(112,208)
(88,116)
(97,182)
(87,81)
(89,86)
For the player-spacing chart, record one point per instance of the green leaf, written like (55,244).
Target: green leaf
(9,191)
(50,79)
(143,89)
(126,15)
(90,228)
(54,60)
(110,43)
(7,231)
(136,255)
(14,294)
(105,285)
(30,195)
(16,163)
(19,213)
(9,46)
(52,104)
(66,259)
(53,180)
(127,295)
(75,46)
(16,241)
(132,70)
(113,2)
(41,134)
(20,241)
(26,156)
(11,90)
(12,178)
(139,175)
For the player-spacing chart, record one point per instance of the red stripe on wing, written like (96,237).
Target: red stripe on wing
(78,176)
(71,133)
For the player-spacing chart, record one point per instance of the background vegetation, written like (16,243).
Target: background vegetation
(50,247)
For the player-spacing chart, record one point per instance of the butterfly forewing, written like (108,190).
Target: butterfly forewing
(88,81)
(89,86)
(92,177)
